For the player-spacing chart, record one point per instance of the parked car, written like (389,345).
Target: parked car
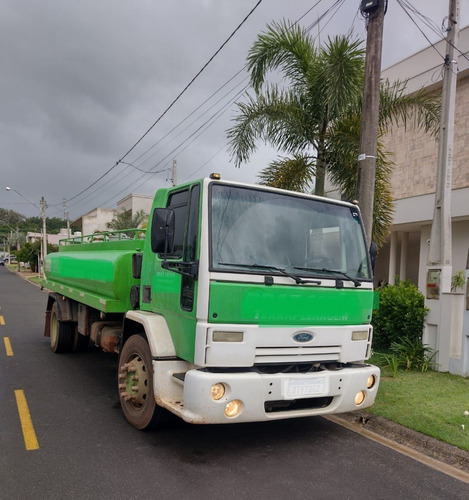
(2,262)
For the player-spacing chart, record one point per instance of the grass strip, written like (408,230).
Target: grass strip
(432,403)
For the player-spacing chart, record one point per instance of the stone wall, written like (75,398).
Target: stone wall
(415,153)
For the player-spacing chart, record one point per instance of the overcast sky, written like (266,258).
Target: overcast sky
(81,82)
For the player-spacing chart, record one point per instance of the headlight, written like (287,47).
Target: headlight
(217,391)
(233,408)
(360,335)
(360,397)
(220,336)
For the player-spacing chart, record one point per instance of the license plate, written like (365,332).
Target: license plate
(301,388)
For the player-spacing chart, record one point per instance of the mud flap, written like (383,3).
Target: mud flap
(47,323)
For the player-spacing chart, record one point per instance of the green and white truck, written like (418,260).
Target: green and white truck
(239,303)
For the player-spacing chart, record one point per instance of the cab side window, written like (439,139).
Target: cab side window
(186,211)
(179,203)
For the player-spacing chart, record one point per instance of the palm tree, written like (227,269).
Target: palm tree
(315,117)
(125,220)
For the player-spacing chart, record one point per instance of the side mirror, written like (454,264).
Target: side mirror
(373,254)
(162,231)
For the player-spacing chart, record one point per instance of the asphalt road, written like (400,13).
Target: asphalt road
(81,447)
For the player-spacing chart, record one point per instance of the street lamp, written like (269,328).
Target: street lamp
(24,197)
(44,231)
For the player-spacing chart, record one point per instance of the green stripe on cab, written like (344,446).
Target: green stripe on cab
(288,305)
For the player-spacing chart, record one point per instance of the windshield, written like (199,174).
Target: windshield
(252,228)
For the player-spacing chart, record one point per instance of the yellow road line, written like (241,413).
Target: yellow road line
(2,320)
(29,435)
(8,348)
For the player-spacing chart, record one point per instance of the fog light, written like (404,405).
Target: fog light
(360,397)
(233,408)
(217,391)
(370,382)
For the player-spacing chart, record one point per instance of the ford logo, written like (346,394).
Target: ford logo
(302,337)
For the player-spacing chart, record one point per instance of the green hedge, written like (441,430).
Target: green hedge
(401,314)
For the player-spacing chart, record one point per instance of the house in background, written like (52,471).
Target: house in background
(97,219)
(135,203)
(413,188)
(52,239)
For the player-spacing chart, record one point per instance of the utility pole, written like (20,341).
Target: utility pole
(374,10)
(66,217)
(440,251)
(174,177)
(441,332)
(44,233)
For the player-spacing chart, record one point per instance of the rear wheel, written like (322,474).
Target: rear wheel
(61,333)
(136,384)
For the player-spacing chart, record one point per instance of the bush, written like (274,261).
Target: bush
(401,315)
(413,355)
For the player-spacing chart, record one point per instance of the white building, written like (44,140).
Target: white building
(97,219)
(135,203)
(53,239)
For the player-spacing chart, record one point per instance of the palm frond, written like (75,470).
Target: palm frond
(338,74)
(278,118)
(295,174)
(419,109)
(283,46)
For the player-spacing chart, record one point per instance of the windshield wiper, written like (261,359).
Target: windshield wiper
(297,279)
(331,271)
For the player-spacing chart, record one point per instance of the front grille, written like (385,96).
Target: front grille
(296,354)
(297,404)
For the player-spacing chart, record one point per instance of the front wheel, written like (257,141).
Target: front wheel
(136,384)
(61,333)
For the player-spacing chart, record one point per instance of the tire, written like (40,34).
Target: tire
(135,384)
(61,333)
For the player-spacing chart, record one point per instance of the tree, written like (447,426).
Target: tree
(316,117)
(31,252)
(10,217)
(125,220)
(53,224)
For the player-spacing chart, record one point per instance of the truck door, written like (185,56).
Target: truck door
(174,285)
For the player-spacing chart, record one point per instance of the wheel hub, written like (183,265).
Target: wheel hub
(133,382)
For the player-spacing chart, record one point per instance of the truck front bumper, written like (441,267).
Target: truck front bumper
(251,396)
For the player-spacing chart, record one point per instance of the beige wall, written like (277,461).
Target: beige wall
(415,153)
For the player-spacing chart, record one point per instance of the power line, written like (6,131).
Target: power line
(174,100)
(198,118)
(210,97)
(190,114)
(204,126)
(406,7)
(192,81)
(337,5)
(181,147)
(425,19)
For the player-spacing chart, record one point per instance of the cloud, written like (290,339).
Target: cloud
(80,82)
